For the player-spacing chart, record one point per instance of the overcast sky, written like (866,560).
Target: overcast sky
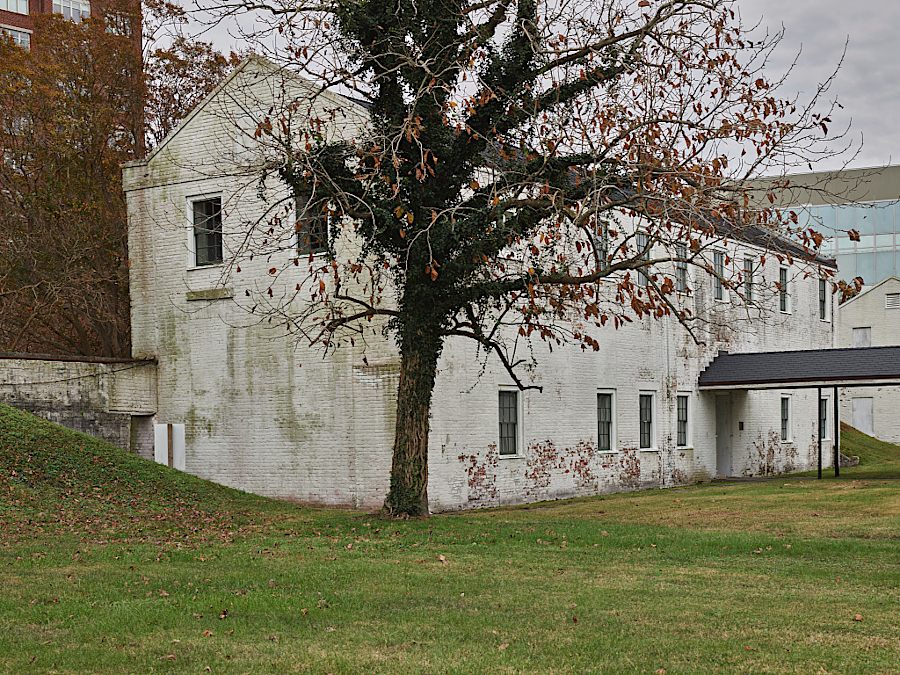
(867,85)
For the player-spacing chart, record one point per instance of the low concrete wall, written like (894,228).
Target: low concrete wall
(110,399)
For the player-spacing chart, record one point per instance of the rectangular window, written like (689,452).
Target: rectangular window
(312,230)
(509,422)
(683,405)
(862,337)
(17,6)
(20,38)
(207,221)
(646,421)
(748,279)
(823,300)
(785,418)
(605,422)
(76,10)
(892,300)
(784,303)
(681,268)
(718,275)
(823,417)
(642,241)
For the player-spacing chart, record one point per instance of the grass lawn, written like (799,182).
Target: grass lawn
(110,564)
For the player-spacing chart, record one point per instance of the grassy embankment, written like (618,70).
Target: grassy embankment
(113,564)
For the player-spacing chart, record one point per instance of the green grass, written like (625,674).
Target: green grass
(113,564)
(877,459)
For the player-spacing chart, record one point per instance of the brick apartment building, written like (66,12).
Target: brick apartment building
(17,17)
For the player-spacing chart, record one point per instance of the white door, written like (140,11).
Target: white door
(723,435)
(862,415)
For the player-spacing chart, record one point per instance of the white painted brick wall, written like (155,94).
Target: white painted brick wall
(269,415)
(868,310)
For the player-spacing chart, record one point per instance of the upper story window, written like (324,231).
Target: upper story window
(823,300)
(312,230)
(681,269)
(784,298)
(21,38)
(207,222)
(718,275)
(642,243)
(17,6)
(748,279)
(76,10)
(892,300)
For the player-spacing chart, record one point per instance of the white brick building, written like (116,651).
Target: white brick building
(872,319)
(266,414)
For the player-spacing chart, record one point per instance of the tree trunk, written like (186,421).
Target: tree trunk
(409,469)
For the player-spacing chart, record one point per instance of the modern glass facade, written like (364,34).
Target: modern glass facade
(876,255)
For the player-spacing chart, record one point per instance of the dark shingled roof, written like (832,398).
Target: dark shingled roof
(807,368)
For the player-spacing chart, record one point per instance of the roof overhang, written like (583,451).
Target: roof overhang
(858,367)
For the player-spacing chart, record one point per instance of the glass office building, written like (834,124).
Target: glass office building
(876,255)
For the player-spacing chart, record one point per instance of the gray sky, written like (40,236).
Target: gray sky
(867,85)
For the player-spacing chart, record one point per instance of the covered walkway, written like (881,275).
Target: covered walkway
(806,369)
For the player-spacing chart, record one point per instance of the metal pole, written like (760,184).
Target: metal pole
(819,426)
(837,435)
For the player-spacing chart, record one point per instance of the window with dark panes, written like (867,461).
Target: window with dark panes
(823,300)
(312,230)
(718,274)
(823,418)
(642,240)
(604,421)
(682,435)
(509,421)
(646,420)
(783,300)
(748,279)
(785,418)
(207,231)
(681,275)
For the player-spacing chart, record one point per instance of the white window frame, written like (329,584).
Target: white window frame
(191,239)
(749,280)
(822,287)
(520,436)
(681,270)
(296,232)
(826,436)
(786,433)
(719,287)
(60,7)
(14,32)
(688,436)
(784,293)
(613,440)
(7,5)
(892,300)
(654,445)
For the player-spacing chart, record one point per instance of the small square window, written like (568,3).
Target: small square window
(509,422)
(892,300)
(862,337)
(207,223)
